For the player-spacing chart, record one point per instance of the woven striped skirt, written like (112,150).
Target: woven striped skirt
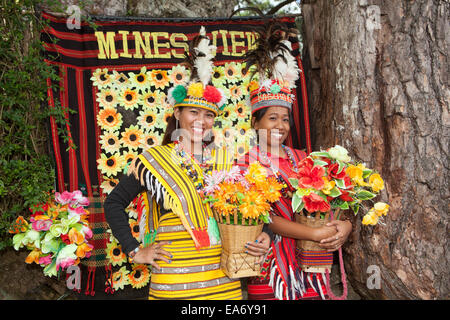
(192,274)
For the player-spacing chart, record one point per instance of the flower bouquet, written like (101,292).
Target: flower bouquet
(241,205)
(57,233)
(329,181)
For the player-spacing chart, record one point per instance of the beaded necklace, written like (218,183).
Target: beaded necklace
(187,161)
(284,191)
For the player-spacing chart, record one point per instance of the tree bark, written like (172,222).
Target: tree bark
(378,85)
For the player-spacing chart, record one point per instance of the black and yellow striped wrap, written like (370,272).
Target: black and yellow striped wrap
(194,271)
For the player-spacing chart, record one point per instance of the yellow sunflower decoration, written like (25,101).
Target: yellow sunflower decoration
(139,80)
(129,99)
(109,119)
(134,226)
(147,119)
(150,140)
(108,184)
(101,78)
(178,75)
(129,156)
(151,99)
(114,254)
(120,278)
(231,72)
(218,77)
(110,141)
(107,98)
(139,276)
(110,166)
(131,137)
(159,78)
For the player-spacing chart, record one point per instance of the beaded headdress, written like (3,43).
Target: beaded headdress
(276,67)
(199,91)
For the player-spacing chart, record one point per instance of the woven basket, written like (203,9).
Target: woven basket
(234,262)
(310,253)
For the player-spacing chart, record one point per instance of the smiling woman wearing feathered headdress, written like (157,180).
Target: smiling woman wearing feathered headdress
(179,234)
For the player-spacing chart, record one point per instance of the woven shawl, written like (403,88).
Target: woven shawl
(169,185)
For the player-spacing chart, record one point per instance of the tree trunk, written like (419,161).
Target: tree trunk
(377,73)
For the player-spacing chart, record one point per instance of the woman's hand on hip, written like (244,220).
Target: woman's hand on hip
(150,254)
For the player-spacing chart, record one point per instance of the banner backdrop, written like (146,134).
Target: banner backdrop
(115,76)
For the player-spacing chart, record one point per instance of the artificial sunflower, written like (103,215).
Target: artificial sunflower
(178,75)
(120,278)
(235,93)
(139,276)
(119,81)
(245,75)
(109,119)
(110,141)
(128,98)
(150,140)
(241,149)
(151,99)
(107,98)
(147,119)
(139,80)
(159,78)
(134,226)
(218,77)
(241,110)
(108,184)
(131,137)
(114,254)
(231,72)
(110,165)
(128,156)
(101,78)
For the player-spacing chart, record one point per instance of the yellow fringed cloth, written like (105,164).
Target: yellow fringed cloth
(194,271)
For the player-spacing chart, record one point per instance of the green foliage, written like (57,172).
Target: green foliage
(26,170)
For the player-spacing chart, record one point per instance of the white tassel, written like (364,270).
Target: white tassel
(142,223)
(170,98)
(320,289)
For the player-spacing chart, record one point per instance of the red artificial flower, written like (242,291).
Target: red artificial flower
(345,196)
(310,176)
(212,94)
(65,238)
(315,203)
(333,169)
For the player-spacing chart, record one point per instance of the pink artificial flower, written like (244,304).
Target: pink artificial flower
(41,225)
(87,232)
(233,175)
(77,210)
(46,260)
(78,198)
(63,198)
(212,181)
(65,263)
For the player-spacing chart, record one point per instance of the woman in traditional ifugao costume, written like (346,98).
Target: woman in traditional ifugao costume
(180,236)
(271,102)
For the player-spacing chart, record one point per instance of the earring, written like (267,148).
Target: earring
(176,124)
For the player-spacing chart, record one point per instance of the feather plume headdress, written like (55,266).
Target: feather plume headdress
(199,92)
(276,67)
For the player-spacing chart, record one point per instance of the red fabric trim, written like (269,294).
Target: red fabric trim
(55,139)
(97,138)
(305,105)
(83,132)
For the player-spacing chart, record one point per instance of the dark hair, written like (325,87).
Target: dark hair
(171,127)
